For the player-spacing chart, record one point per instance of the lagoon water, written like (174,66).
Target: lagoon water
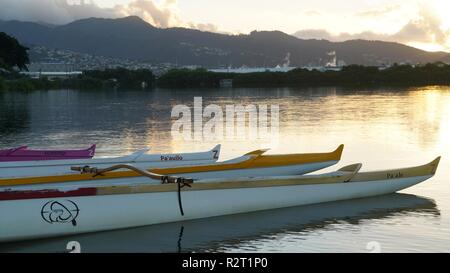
(383,128)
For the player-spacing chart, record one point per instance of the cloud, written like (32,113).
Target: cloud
(75,11)
(158,13)
(343,36)
(38,11)
(378,11)
(425,29)
(161,15)
(204,27)
(315,34)
(312,13)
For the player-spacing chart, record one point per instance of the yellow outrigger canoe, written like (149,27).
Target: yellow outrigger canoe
(252,164)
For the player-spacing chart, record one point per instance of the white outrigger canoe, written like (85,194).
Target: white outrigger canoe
(218,232)
(139,159)
(48,210)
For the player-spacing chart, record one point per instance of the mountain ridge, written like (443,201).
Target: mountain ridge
(133,38)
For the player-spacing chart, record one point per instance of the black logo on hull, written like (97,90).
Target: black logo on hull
(63,211)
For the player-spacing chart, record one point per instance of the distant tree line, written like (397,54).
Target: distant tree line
(352,75)
(116,77)
(120,78)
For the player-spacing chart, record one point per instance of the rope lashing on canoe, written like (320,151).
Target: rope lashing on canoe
(180,181)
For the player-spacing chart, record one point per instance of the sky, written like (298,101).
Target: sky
(419,23)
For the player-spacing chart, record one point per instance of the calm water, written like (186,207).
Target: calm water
(384,128)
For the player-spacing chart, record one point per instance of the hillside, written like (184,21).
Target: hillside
(133,38)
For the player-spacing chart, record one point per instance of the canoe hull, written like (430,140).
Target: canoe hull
(24,154)
(31,219)
(296,169)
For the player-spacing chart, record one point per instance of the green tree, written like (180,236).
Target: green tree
(12,53)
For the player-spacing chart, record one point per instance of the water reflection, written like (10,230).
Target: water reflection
(14,114)
(219,233)
(124,121)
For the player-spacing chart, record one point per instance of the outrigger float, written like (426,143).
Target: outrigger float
(47,210)
(139,159)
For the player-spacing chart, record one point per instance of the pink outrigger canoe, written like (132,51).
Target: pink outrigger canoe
(23,154)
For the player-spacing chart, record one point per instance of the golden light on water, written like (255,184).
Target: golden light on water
(439,114)
(319,121)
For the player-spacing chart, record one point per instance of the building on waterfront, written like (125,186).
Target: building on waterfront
(226,83)
(252,69)
(51,75)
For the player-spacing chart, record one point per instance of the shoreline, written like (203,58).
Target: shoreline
(349,76)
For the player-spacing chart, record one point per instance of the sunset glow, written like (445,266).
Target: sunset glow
(420,23)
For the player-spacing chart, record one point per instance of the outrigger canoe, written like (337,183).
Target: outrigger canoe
(41,211)
(22,153)
(212,233)
(139,159)
(252,164)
